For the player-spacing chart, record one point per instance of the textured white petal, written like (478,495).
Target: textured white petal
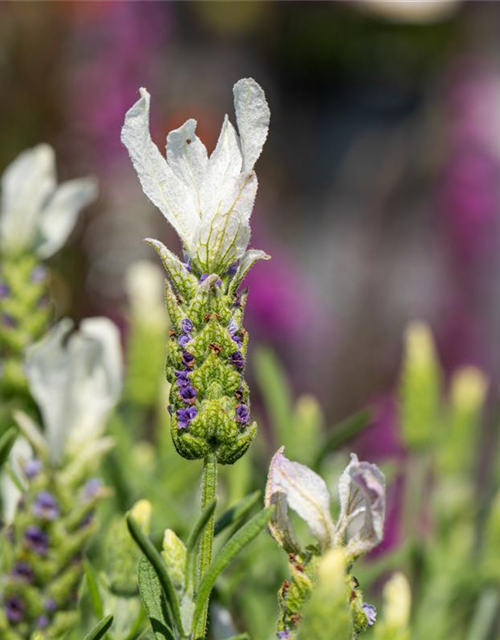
(187,156)
(252,116)
(220,242)
(160,184)
(305,492)
(224,167)
(362,507)
(20,454)
(58,217)
(75,382)
(26,185)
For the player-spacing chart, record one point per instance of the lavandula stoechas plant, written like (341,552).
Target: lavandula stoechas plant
(36,217)
(358,530)
(75,378)
(208,200)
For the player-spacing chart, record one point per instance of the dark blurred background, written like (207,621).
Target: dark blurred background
(379,185)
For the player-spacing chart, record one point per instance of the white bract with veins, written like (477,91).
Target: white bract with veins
(362,505)
(76,380)
(37,214)
(207,199)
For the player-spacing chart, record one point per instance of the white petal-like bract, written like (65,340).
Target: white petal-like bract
(161,185)
(27,183)
(362,507)
(305,492)
(58,218)
(252,116)
(75,380)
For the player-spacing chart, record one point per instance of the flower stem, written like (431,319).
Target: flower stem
(208,493)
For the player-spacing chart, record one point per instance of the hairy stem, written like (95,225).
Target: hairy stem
(208,493)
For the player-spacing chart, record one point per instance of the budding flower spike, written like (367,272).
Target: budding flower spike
(359,528)
(208,200)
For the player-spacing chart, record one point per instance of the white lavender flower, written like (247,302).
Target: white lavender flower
(36,214)
(208,200)
(362,505)
(76,380)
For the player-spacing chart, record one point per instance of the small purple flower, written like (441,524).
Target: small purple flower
(188,393)
(233,268)
(50,605)
(186,325)
(43,621)
(237,360)
(203,277)
(32,468)
(187,358)
(91,488)
(370,613)
(4,290)
(38,274)
(22,571)
(184,417)
(169,409)
(46,506)
(182,378)
(284,635)
(242,414)
(187,266)
(183,339)
(218,282)
(37,540)
(14,609)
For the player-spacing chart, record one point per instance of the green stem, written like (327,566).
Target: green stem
(208,493)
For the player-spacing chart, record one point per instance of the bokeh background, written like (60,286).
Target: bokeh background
(379,194)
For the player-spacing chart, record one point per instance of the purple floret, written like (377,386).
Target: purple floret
(188,393)
(4,290)
(203,277)
(182,378)
(242,413)
(183,339)
(237,360)
(39,274)
(32,468)
(22,571)
(187,325)
(14,609)
(187,358)
(37,540)
(46,506)
(91,488)
(370,612)
(184,417)
(43,621)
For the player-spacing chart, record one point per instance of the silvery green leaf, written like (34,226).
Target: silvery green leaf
(75,381)
(184,282)
(305,492)
(252,116)
(165,190)
(188,159)
(362,507)
(26,185)
(58,217)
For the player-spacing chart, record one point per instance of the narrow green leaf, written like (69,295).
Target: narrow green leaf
(93,587)
(101,629)
(343,432)
(194,538)
(236,513)
(241,538)
(6,444)
(156,561)
(154,601)
(275,390)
